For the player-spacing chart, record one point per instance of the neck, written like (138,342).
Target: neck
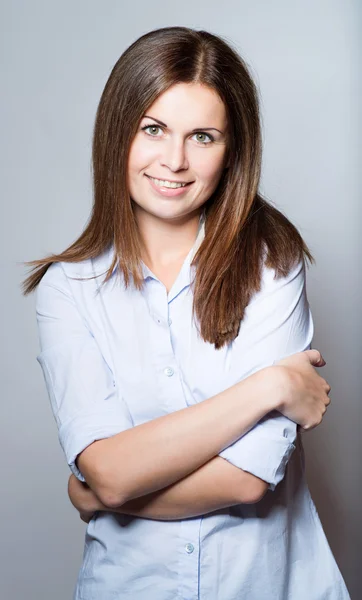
(166,241)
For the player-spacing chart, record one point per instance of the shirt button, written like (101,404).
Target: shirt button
(170,321)
(169,371)
(189,548)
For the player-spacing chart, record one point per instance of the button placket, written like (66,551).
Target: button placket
(170,394)
(189,565)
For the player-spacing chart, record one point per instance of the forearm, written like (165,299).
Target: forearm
(156,454)
(215,485)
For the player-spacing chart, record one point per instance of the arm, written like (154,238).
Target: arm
(120,461)
(158,453)
(80,384)
(278,323)
(217,484)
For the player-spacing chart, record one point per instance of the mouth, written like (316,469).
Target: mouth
(170,190)
(170,181)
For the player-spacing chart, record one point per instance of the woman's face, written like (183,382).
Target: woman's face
(181,138)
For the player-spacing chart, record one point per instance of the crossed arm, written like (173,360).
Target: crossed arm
(216,484)
(167,492)
(78,380)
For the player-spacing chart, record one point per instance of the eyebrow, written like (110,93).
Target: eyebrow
(193,130)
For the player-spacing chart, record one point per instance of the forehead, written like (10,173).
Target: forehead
(189,102)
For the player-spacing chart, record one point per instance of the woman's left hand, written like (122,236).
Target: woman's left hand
(83,498)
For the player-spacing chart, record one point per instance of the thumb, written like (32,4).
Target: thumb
(315,358)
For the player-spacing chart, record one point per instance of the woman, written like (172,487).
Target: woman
(180,383)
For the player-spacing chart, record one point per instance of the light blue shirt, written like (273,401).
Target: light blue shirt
(114,358)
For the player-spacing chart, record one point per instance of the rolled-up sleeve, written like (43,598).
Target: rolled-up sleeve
(278,323)
(83,395)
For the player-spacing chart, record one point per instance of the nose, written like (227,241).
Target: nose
(174,156)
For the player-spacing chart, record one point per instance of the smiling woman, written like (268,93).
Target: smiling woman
(181,106)
(177,388)
(171,161)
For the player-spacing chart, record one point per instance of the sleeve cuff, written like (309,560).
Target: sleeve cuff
(271,467)
(84,429)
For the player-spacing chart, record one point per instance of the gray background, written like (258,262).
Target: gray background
(56,59)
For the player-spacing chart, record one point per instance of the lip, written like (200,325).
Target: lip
(169,192)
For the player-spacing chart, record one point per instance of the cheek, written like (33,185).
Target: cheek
(208,170)
(140,156)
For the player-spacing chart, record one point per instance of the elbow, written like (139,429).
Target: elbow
(106,490)
(95,467)
(111,492)
(261,491)
(256,490)
(109,497)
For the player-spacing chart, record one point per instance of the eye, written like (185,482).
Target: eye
(211,139)
(151,127)
(202,133)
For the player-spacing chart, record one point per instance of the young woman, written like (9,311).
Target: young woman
(180,383)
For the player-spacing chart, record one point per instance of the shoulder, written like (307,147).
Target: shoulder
(70,282)
(280,288)
(272,278)
(58,273)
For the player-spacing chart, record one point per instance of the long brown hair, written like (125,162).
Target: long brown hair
(240,224)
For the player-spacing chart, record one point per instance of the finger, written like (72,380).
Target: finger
(327,399)
(85,519)
(315,357)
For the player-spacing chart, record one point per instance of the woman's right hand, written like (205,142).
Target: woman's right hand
(303,393)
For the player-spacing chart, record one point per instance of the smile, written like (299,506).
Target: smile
(169,189)
(166,183)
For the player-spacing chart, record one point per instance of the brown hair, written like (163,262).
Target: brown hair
(239,222)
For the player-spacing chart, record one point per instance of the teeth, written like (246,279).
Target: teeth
(169,184)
